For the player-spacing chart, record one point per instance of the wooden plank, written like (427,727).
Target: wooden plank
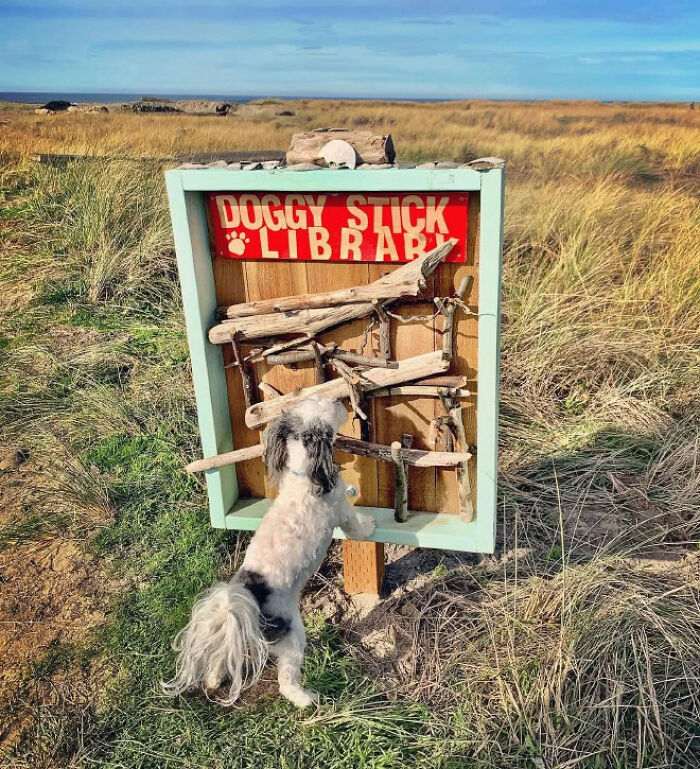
(363,566)
(465,360)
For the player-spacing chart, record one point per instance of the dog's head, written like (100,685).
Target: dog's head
(301,440)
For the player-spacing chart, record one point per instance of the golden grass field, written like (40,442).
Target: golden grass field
(576,645)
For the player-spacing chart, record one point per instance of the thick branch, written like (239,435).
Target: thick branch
(407,280)
(371,379)
(400,484)
(413,457)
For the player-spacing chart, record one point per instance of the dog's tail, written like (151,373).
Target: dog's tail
(221,642)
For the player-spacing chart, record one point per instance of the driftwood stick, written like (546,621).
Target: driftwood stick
(384,333)
(372,379)
(420,391)
(360,448)
(307,354)
(442,381)
(456,424)
(320,373)
(290,357)
(281,347)
(407,280)
(413,457)
(400,484)
(268,389)
(447,310)
(229,458)
(353,381)
(246,378)
(364,360)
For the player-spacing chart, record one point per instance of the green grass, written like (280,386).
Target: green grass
(580,645)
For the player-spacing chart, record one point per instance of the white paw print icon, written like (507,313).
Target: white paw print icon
(237,242)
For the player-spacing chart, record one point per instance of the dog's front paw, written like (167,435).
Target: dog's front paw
(366,525)
(302,698)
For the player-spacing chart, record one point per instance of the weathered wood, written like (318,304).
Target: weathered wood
(229,458)
(308,322)
(307,353)
(384,333)
(353,381)
(448,381)
(318,362)
(413,457)
(418,391)
(456,425)
(269,390)
(447,307)
(408,280)
(246,378)
(370,148)
(400,484)
(371,379)
(360,448)
(364,360)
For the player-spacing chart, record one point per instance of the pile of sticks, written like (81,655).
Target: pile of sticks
(260,325)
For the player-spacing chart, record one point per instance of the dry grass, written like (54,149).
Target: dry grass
(577,645)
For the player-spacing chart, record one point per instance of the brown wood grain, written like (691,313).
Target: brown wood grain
(363,564)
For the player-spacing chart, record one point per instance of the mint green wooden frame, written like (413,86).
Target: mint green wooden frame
(186,190)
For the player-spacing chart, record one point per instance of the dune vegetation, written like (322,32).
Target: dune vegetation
(576,645)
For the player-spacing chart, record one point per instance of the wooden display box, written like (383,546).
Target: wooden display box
(239,495)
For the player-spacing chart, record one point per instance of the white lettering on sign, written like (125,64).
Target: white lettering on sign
(349,227)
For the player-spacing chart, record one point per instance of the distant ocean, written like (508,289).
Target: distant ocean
(41,97)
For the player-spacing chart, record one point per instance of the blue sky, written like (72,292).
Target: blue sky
(605,49)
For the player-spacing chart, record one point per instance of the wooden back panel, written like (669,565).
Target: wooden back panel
(429,489)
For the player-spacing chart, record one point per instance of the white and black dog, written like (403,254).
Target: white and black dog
(236,625)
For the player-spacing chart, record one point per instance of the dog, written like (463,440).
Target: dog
(236,626)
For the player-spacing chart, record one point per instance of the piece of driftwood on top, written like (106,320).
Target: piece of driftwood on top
(407,280)
(370,148)
(304,316)
(371,379)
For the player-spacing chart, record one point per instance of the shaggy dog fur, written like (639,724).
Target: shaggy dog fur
(235,626)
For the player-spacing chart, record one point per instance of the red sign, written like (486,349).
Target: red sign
(339,227)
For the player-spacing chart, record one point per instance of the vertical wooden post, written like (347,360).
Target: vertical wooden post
(363,562)
(363,566)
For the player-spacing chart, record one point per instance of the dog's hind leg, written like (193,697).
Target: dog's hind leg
(289,651)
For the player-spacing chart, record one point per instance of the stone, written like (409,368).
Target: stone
(339,154)
(486,164)
(404,164)
(234,166)
(268,165)
(303,167)
(446,164)
(252,166)
(425,166)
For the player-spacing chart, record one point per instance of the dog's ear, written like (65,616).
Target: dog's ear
(276,451)
(318,442)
